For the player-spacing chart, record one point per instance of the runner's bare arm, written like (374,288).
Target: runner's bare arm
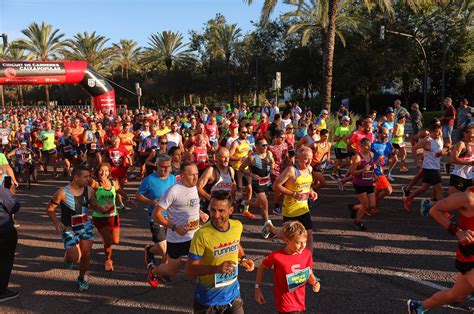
(194,268)
(259,298)
(421,144)
(57,198)
(245,167)
(287,174)
(158,217)
(458,148)
(232,150)
(203,180)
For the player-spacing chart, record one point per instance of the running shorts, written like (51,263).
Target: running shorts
(71,237)
(305,219)
(382,183)
(360,189)
(176,250)
(158,232)
(431,176)
(257,188)
(235,307)
(112,222)
(342,153)
(459,183)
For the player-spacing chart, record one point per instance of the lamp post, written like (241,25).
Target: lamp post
(5,44)
(425,80)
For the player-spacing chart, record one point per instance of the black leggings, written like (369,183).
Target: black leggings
(8,243)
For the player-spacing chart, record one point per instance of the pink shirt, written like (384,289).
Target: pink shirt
(358,136)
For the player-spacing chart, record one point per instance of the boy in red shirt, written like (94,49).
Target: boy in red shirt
(292,270)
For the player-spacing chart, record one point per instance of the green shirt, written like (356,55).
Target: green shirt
(341,131)
(104,198)
(3,159)
(48,139)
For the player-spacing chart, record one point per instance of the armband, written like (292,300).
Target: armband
(453,228)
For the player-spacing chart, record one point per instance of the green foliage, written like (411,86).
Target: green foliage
(429,115)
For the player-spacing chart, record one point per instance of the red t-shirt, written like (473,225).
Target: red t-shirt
(358,136)
(290,275)
(449,112)
(117,157)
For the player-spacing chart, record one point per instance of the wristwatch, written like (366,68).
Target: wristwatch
(173,227)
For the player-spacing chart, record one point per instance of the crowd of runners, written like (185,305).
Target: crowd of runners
(204,173)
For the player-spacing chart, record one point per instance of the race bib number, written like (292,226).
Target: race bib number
(297,279)
(402,144)
(343,150)
(78,220)
(264,181)
(222,280)
(93,146)
(368,175)
(67,149)
(193,223)
(303,197)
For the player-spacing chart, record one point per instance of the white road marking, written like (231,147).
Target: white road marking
(424,282)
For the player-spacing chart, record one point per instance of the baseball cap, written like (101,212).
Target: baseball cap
(324,112)
(345,118)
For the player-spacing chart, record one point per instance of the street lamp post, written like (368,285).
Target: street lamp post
(5,44)
(425,80)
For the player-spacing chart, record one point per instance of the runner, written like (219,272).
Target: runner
(310,138)
(362,171)
(181,201)
(462,156)
(198,153)
(340,148)
(295,184)
(464,233)
(48,149)
(74,225)
(239,151)
(292,270)
(321,156)
(382,150)
(68,150)
(212,259)
(399,143)
(149,193)
(220,177)
(258,166)
(119,159)
(108,223)
(433,150)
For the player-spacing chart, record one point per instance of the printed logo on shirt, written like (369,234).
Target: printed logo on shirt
(226,248)
(297,278)
(193,202)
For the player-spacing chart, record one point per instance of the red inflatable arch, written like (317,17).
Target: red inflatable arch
(60,72)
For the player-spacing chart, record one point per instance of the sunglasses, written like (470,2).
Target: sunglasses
(313,129)
(244,132)
(263,145)
(163,143)
(289,128)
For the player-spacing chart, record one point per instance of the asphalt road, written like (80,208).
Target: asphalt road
(403,255)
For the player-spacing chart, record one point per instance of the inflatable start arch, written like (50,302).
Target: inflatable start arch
(60,72)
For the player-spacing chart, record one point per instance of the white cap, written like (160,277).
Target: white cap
(324,112)
(346,118)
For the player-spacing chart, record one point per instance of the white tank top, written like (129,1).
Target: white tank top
(224,181)
(465,171)
(312,140)
(173,139)
(430,160)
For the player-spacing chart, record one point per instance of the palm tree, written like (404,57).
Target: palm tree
(90,48)
(385,6)
(17,54)
(312,17)
(167,48)
(127,55)
(43,43)
(225,40)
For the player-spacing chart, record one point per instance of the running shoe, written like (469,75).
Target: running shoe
(248,214)
(152,279)
(415,307)
(277,210)
(407,203)
(83,284)
(149,256)
(425,207)
(405,191)
(340,185)
(68,265)
(56,176)
(8,295)
(352,212)
(359,225)
(123,208)
(109,265)
(333,176)
(404,169)
(266,230)
(390,178)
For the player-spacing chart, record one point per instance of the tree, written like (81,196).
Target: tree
(90,48)
(226,38)
(43,43)
(127,55)
(167,48)
(17,54)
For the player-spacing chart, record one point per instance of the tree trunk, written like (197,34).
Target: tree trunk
(324,37)
(229,80)
(47,95)
(328,64)
(169,83)
(2,96)
(20,93)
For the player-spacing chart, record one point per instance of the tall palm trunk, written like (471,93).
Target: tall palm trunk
(20,94)
(2,96)
(47,95)
(168,70)
(229,81)
(331,38)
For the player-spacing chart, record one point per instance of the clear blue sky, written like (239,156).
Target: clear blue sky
(125,19)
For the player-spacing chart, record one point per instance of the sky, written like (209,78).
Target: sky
(125,19)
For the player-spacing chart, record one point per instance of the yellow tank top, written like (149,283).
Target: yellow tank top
(241,151)
(291,206)
(400,132)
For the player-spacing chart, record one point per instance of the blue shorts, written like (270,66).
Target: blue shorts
(447,131)
(71,238)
